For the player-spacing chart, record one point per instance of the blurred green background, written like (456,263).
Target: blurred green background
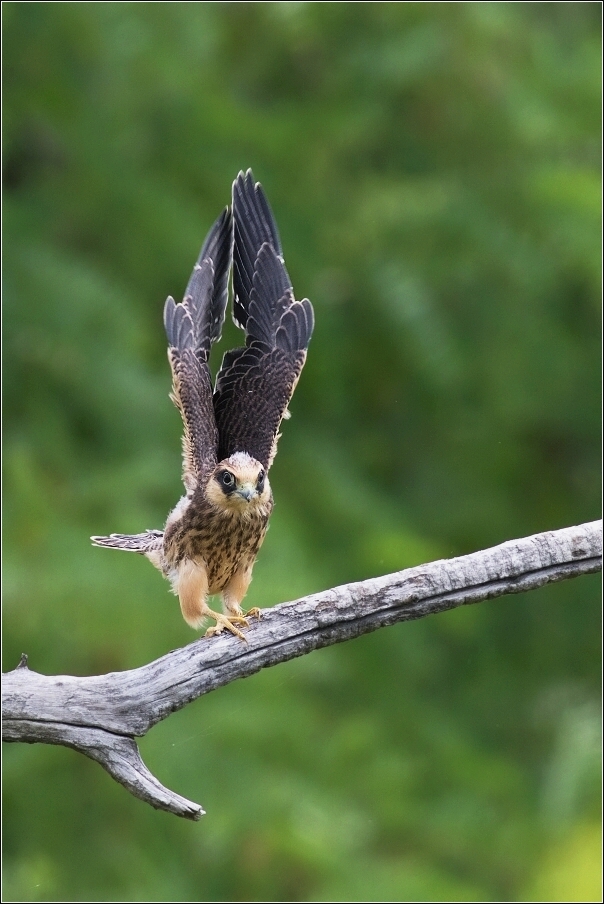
(434,169)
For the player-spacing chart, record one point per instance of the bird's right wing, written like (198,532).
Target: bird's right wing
(191,327)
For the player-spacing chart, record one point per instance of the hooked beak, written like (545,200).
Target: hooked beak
(247,491)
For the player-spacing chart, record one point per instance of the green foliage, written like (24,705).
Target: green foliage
(435,173)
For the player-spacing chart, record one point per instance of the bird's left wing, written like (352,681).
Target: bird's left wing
(191,327)
(256,383)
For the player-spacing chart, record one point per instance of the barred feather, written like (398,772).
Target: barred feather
(255,383)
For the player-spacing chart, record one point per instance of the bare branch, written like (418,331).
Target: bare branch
(100,715)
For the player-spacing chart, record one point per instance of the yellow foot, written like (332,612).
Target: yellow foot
(254,612)
(223,621)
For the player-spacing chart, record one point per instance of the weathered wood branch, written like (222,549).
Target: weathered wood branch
(101,715)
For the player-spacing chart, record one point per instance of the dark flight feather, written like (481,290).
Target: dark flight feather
(254,226)
(256,383)
(191,327)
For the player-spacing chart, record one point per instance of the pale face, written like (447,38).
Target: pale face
(239,483)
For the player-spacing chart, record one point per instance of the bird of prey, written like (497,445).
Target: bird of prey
(212,537)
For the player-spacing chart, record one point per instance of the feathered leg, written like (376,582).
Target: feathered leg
(235,591)
(191,585)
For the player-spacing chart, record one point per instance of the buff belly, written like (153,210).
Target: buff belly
(222,547)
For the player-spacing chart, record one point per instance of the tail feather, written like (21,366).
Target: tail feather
(145,543)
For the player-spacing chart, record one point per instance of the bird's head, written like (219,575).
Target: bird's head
(239,484)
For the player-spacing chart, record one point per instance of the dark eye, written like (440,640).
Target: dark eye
(227,479)
(260,481)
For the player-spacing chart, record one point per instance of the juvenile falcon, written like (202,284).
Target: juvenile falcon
(212,536)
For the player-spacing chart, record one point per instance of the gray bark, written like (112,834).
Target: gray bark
(101,715)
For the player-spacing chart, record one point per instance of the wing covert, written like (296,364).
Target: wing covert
(256,382)
(191,327)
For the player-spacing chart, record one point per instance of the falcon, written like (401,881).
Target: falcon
(211,538)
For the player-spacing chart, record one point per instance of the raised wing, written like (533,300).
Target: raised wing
(191,327)
(256,383)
